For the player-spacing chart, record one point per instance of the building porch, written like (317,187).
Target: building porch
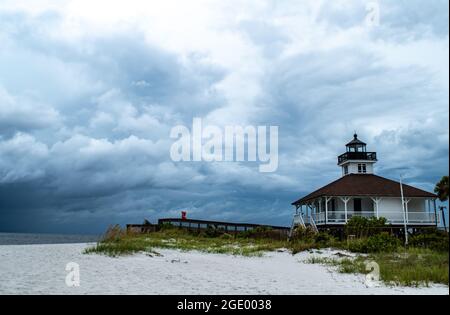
(326,211)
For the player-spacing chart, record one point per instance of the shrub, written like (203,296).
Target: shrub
(357,226)
(358,245)
(435,240)
(382,242)
(324,239)
(304,234)
(298,247)
(364,227)
(262,232)
(305,238)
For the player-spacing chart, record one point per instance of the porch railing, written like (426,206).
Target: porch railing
(393,217)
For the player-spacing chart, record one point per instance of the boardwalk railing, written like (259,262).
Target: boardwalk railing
(219,225)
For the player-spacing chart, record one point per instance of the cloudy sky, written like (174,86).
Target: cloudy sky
(89,91)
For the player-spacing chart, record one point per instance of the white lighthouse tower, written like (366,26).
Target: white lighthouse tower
(356,159)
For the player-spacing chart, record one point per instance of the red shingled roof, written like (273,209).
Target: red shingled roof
(365,185)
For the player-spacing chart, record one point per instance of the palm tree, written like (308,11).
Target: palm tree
(441,189)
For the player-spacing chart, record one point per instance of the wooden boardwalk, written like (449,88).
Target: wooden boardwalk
(193,224)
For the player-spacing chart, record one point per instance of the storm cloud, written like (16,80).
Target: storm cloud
(89,92)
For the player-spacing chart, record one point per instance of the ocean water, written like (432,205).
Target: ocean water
(27,239)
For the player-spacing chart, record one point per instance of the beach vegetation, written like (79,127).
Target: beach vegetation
(406,267)
(423,262)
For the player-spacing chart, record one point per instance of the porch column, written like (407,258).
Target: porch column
(435,212)
(316,209)
(320,205)
(346,210)
(345,200)
(296,209)
(327,199)
(428,207)
(377,201)
(406,209)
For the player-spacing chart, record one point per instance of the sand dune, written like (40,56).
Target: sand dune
(40,269)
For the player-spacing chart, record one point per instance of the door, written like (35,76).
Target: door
(357,205)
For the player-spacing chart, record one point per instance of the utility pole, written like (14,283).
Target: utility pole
(442,208)
(404,212)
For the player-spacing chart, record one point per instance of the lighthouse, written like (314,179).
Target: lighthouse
(360,192)
(356,159)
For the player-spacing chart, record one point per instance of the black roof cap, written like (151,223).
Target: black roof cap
(355,141)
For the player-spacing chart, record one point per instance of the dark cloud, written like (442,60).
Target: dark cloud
(85,120)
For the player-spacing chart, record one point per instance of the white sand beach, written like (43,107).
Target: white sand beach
(40,269)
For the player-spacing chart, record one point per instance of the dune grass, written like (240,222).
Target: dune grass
(118,243)
(407,267)
(413,267)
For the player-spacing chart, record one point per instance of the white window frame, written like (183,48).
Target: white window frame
(362,168)
(345,169)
